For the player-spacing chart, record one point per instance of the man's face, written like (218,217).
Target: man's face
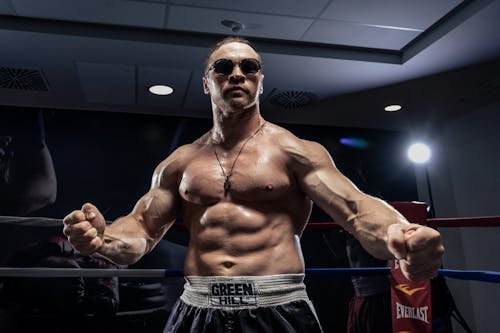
(237,90)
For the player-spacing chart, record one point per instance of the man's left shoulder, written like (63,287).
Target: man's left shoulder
(290,144)
(280,135)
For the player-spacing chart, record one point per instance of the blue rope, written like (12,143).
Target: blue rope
(484,276)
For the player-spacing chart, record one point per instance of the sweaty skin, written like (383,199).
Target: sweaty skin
(254,228)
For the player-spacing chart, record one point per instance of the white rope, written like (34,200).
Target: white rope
(44,272)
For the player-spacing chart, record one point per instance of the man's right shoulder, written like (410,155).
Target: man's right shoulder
(175,164)
(184,153)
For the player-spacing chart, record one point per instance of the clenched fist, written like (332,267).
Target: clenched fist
(418,248)
(85,228)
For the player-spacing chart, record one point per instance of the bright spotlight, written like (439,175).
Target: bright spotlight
(419,153)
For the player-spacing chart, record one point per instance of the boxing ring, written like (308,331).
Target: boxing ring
(413,211)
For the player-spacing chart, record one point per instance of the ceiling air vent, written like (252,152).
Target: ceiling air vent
(292,99)
(22,79)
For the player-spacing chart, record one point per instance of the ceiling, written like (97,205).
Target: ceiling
(346,58)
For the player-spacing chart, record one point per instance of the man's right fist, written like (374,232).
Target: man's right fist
(85,229)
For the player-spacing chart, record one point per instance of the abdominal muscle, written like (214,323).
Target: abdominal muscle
(228,239)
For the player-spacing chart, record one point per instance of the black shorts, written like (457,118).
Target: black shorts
(274,304)
(293,317)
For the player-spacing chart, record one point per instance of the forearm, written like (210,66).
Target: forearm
(124,245)
(369,223)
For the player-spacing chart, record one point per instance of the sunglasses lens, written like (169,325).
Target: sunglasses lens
(223,66)
(249,66)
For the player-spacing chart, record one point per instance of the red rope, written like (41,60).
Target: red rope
(483,221)
(452,222)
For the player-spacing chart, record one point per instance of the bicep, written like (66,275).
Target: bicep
(157,210)
(326,185)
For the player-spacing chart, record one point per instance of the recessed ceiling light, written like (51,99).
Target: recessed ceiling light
(392,108)
(161,89)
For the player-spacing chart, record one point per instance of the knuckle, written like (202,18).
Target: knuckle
(91,233)
(85,226)
(67,230)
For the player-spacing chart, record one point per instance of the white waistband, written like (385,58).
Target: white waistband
(240,292)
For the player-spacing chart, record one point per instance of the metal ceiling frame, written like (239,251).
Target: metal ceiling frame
(459,14)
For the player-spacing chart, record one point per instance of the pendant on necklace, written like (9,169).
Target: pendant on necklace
(227,185)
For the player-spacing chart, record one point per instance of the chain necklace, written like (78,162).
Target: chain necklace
(227,181)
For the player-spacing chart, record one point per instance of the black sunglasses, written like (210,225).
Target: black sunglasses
(225,66)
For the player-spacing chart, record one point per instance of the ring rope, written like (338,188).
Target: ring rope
(453,222)
(43,272)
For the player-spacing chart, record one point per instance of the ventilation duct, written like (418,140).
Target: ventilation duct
(292,99)
(22,79)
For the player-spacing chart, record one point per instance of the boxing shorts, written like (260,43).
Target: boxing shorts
(244,304)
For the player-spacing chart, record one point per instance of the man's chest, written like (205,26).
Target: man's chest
(251,176)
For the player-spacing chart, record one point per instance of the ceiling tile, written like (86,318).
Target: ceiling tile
(351,34)
(196,98)
(178,79)
(394,13)
(107,83)
(310,8)
(132,13)
(259,25)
